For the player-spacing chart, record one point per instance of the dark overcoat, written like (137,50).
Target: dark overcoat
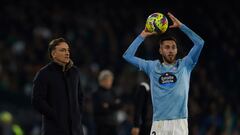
(57,95)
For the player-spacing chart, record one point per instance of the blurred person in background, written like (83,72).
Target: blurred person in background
(169,80)
(8,126)
(142,102)
(105,104)
(57,92)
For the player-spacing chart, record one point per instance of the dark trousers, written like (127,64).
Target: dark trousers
(144,130)
(103,129)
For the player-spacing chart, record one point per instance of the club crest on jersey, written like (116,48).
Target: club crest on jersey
(167,78)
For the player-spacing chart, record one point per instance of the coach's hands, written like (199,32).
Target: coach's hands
(175,21)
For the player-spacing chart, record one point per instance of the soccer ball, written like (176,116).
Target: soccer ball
(157,22)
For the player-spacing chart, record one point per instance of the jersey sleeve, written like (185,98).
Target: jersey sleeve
(130,57)
(193,55)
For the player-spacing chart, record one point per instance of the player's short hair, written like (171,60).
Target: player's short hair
(52,45)
(104,74)
(167,38)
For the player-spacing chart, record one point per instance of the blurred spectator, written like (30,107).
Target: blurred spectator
(142,110)
(105,105)
(8,125)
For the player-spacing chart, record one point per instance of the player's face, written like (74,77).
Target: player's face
(168,50)
(61,53)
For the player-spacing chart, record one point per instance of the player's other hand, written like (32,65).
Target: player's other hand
(145,33)
(175,21)
(135,131)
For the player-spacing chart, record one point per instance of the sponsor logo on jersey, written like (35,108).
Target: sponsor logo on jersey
(167,78)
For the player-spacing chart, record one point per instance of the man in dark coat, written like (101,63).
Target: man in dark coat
(143,110)
(57,93)
(105,105)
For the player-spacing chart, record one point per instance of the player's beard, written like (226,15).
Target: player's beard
(170,59)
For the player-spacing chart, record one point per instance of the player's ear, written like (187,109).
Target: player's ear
(160,50)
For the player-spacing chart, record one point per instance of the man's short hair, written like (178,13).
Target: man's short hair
(105,74)
(53,44)
(167,38)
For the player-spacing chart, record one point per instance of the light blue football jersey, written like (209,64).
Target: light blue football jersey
(169,83)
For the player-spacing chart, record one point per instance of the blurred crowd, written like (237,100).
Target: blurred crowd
(99,32)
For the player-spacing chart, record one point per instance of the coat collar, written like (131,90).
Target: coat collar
(63,68)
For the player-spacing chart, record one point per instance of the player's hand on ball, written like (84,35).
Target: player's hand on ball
(145,33)
(175,21)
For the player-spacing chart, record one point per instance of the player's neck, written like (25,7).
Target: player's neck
(169,63)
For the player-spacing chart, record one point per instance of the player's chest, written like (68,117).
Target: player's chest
(167,76)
